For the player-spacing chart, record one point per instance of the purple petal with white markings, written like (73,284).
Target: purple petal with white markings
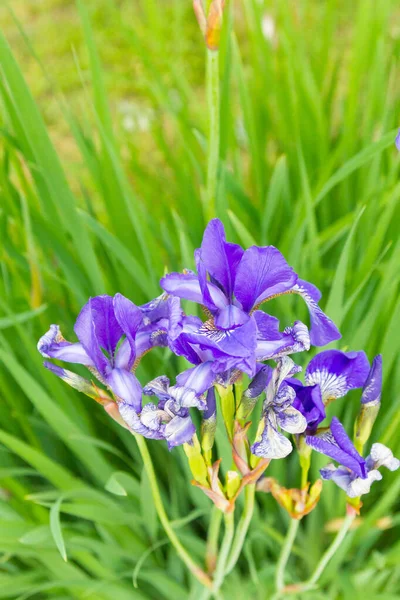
(337,372)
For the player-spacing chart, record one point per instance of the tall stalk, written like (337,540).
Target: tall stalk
(193,567)
(242,528)
(285,554)
(212,77)
(329,553)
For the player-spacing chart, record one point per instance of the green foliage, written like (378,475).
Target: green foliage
(102,167)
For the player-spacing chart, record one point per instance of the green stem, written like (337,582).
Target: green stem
(213,133)
(329,553)
(224,552)
(212,539)
(285,553)
(242,528)
(196,571)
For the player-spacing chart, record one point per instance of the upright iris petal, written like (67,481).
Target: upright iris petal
(220,258)
(373,385)
(309,402)
(262,274)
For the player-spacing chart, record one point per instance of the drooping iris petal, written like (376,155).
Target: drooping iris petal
(186,397)
(180,430)
(129,318)
(381,456)
(322,330)
(272,444)
(53,345)
(309,402)
(228,349)
(347,481)
(262,273)
(158,387)
(75,381)
(219,257)
(373,385)
(339,447)
(271,343)
(337,372)
(187,286)
(291,420)
(126,386)
(132,419)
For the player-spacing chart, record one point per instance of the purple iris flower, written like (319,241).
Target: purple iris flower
(336,373)
(170,418)
(113,334)
(278,411)
(308,401)
(231,283)
(355,474)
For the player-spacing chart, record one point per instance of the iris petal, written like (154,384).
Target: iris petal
(262,273)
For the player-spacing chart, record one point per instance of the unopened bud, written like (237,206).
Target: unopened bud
(232,484)
(370,404)
(197,463)
(210,24)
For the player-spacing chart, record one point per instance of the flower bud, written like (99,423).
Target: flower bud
(370,404)
(227,407)
(210,24)
(197,463)
(233,481)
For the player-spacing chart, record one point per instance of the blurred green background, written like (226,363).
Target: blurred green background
(103,142)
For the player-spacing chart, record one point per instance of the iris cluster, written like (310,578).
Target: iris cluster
(234,340)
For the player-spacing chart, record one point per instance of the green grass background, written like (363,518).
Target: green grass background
(103,141)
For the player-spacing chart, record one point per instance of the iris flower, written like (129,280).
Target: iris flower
(278,412)
(331,374)
(231,283)
(355,474)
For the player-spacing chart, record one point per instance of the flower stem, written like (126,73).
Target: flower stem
(212,539)
(224,552)
(243,526)
(329,553)
(212,76)
(196,571)
(285,553)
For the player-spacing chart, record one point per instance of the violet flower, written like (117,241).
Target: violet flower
(239,281)
(355,474)
(336,373)
(113,334)
(278,412)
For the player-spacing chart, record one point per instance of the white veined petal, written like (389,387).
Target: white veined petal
(381,456)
